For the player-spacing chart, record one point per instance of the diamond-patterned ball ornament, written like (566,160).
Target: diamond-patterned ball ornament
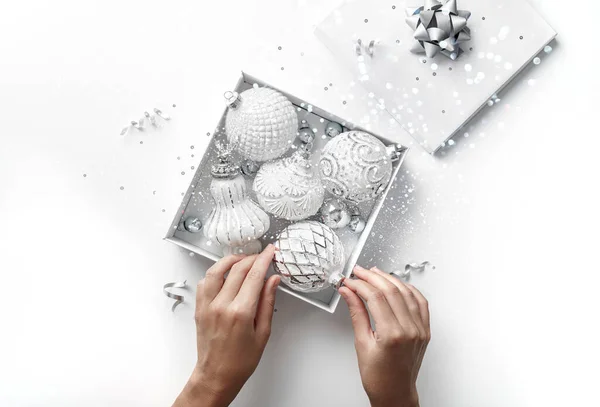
(263,124)
(309,254)
(289,188)
(355,166)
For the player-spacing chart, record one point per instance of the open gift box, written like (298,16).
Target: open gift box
(198,202)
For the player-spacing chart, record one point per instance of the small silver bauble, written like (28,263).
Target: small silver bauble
(192,224)
(333,129)
(261,122)
(335,213)
(249,167)
(306,136)
(357,224)
(355,166)
(310,256)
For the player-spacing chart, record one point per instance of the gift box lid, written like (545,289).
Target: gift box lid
(433,97)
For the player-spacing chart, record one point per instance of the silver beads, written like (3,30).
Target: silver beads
(249,167)
(333,129)
(305,134)
(192,224)
(357,224)
(335,213)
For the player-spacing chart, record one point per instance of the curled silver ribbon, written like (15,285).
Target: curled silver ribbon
(411,268)
(178,298)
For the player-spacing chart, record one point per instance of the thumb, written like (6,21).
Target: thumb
(358,312)
(266,305)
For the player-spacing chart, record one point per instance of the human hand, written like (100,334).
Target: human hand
(233,324)
(390,357)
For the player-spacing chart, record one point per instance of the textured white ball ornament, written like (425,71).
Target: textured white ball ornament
(310,256)
(356,166)
(289,188)
(262,123)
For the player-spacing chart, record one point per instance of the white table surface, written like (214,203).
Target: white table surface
(508,216)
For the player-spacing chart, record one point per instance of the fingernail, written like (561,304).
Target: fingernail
(276,283)
(359,268)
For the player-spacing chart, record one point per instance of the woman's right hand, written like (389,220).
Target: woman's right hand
(389,357)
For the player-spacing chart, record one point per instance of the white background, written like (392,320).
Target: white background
(509,215)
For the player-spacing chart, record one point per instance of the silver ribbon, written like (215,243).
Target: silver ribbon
(411,268)
(178,298)
(438,28)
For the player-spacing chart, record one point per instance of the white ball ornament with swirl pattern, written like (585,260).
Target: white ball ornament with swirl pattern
(262,123)
(356,166)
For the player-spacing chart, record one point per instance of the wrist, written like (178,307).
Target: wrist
(198,392)
(406,399)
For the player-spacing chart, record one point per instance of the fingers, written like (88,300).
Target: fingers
(235,279)
(358,312)
(392,293)
(215,275)
(412,317)
(386,322)
(249,293)
(266,305)
(423,306)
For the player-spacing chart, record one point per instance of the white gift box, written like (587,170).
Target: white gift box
(433,98)
(198,202)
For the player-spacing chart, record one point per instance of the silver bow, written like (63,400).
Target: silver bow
(438,27)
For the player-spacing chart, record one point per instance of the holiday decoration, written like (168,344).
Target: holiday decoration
(439,27)
(356,166)
(335,213)
(236,222)
(310,256)
(357,224)
(333,129)
(289,188)
(249,167)
(305,133)
(192,224)
(261,122)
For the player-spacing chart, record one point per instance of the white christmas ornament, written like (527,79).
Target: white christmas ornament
(356,166)
(310,256)
(261,122)
(289,188)
(236,223)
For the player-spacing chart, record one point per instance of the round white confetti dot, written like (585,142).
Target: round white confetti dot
(508,66)
(490,103)
(504,31)
(536,61)
(466,135)
(443,44)
(434,67)
(450,142)
(490,55)
(389,85)
(498,58)
(531,82)
(469,81)
(468,67)
(493,40)
(547,49)
(481,55)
